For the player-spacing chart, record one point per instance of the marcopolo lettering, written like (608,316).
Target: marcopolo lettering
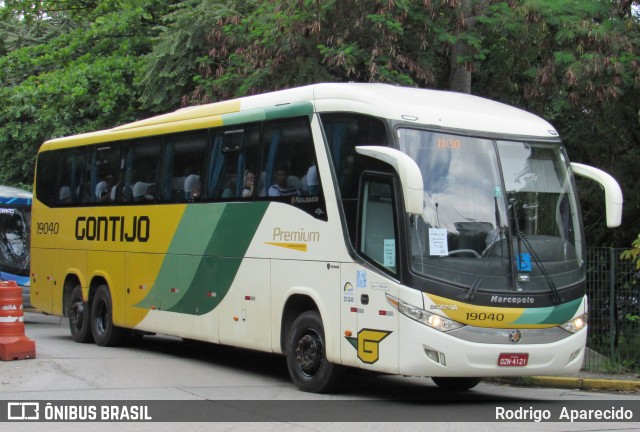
(512,300)
(113,228)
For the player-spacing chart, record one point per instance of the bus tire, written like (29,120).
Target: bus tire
(456,384)
(102,328)
(79,317)
(307,361)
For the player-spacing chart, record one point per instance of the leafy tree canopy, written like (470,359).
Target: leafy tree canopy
(69,68)
(577,64)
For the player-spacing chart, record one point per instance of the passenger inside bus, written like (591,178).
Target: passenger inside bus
(192,187)
(65,195)
(230,189)
(106,189)
(142,191)
(282,187)
(310,180)
(249,181)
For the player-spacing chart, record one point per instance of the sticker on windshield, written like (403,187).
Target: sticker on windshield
(524,262)
(389,252)
(438,242)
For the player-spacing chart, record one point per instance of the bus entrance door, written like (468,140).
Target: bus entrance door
(374,343)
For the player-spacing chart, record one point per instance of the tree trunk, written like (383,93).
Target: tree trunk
(460,75)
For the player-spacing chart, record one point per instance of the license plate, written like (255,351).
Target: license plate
(508,359)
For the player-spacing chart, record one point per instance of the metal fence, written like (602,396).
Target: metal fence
(613,287)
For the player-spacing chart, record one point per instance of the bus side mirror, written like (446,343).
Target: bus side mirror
(612,191)
(408,171)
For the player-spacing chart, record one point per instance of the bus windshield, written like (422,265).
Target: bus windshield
(15,234)
(498,215)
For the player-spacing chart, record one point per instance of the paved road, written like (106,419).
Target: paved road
(167,369)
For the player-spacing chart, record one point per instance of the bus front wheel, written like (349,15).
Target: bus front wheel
(102,328)
(79,321)
(307,362)
(455,384)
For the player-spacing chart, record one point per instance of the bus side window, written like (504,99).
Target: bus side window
(378,237)
(232,148)
(231,162)
(141,159)
(47,188)
(345,131)
(105,173)
(182,167)
(288,160)
(73,165)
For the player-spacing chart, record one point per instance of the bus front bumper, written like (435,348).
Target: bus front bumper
(428,352)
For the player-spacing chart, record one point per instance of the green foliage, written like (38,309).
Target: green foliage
(76,78)
(260,46)
(576,64)
(633,254)
(172,69)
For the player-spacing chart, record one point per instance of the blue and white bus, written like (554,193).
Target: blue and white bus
(15,234)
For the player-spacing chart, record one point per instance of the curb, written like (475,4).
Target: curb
(574,383)
(588,384)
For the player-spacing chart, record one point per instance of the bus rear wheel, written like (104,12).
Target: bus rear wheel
(102,328)
(79,317)
(455,384)
(307,362)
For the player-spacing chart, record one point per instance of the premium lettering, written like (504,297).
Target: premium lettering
(295,236)
(113,228)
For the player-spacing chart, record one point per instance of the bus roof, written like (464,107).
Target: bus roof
(436,108)
(430,108)
(14,196)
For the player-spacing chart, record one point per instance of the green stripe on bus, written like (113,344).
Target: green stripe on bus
(218,237)
(564,312)
(549,315)
(295,109)
(250,116)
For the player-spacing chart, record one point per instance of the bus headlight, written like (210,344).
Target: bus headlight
(576,324)
(422,316)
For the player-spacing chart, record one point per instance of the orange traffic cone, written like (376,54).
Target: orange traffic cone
(14,345)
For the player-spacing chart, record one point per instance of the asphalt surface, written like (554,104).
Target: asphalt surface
(589,381)
(166,370)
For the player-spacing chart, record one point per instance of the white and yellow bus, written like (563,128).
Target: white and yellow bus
(392,229)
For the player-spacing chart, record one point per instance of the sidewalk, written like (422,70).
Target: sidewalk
(581,381)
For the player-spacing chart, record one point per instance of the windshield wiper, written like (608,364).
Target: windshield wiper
(521,240)
(476,282)
(500,230)
(555,296)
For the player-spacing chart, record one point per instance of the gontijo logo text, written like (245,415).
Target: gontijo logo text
(113,228)
(69,411)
